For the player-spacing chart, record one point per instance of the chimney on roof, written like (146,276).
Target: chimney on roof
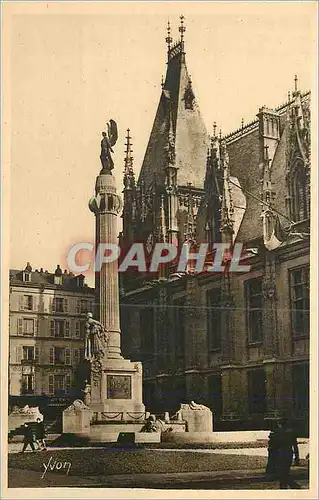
(58,271)
(58,276)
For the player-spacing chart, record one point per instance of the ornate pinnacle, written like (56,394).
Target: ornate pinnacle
(168,39)
(129,181)
(182,29)
(214,129)
(296,83)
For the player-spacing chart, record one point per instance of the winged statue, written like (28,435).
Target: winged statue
(107,143)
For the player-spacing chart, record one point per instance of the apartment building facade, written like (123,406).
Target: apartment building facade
(46,337)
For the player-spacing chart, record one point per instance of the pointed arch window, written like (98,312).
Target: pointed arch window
(299,192)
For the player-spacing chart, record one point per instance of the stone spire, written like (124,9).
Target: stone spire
(227,208)
(182,30)
(190,225)
(168,39)
(213,190)
(129,177)
(178,115)
(162,232)
(267,192)
(129,193)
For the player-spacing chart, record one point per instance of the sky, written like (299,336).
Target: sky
(70,68)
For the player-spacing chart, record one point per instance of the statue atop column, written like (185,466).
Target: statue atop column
(108,141)
(96,338)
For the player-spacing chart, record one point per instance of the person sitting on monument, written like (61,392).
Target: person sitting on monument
(150,425)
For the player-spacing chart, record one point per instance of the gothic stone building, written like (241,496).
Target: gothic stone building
(237,342)
(46,337)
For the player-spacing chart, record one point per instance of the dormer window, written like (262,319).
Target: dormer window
(189,98)
(80,280)
(26,276)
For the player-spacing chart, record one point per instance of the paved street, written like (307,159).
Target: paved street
(237,480)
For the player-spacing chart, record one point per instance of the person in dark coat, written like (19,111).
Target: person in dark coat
(272,453)
(284,446)
(40,434)
(29,438)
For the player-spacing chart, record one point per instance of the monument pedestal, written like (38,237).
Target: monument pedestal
(116,387)
(77,419)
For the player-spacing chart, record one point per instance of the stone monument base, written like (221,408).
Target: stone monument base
(20,416)
(76,419)
(116,390)
(199,418)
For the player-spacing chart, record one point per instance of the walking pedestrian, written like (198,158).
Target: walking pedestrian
(272,453)
(29,438)
(40,434)
(285,446)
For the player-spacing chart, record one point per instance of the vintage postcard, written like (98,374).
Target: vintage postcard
(159,284)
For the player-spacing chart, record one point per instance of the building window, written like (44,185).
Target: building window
(59,305)
(299,193)
(28,327)
(300,301)
(257,391)
(179,327)
(147,330)
(84,306)
(215,394)
(214,317)
(254,304)
(300,382)
(59,385)
(60,328)
(60,356)
(26,303)
(76,357)
(28,353)
(27,384)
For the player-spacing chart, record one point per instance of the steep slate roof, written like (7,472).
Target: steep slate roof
(46,280)
(191,139)
(245,159)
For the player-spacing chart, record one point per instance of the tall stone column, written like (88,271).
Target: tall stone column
(106,205)
(115,382)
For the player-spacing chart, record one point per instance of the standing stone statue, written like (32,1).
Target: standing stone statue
(108,141)
(96,338)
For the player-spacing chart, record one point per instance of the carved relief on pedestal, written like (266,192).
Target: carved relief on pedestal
(96,372)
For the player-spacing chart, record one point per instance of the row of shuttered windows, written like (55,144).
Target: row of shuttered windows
(57,328)
(51,356)
(58,304)
(56,384)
